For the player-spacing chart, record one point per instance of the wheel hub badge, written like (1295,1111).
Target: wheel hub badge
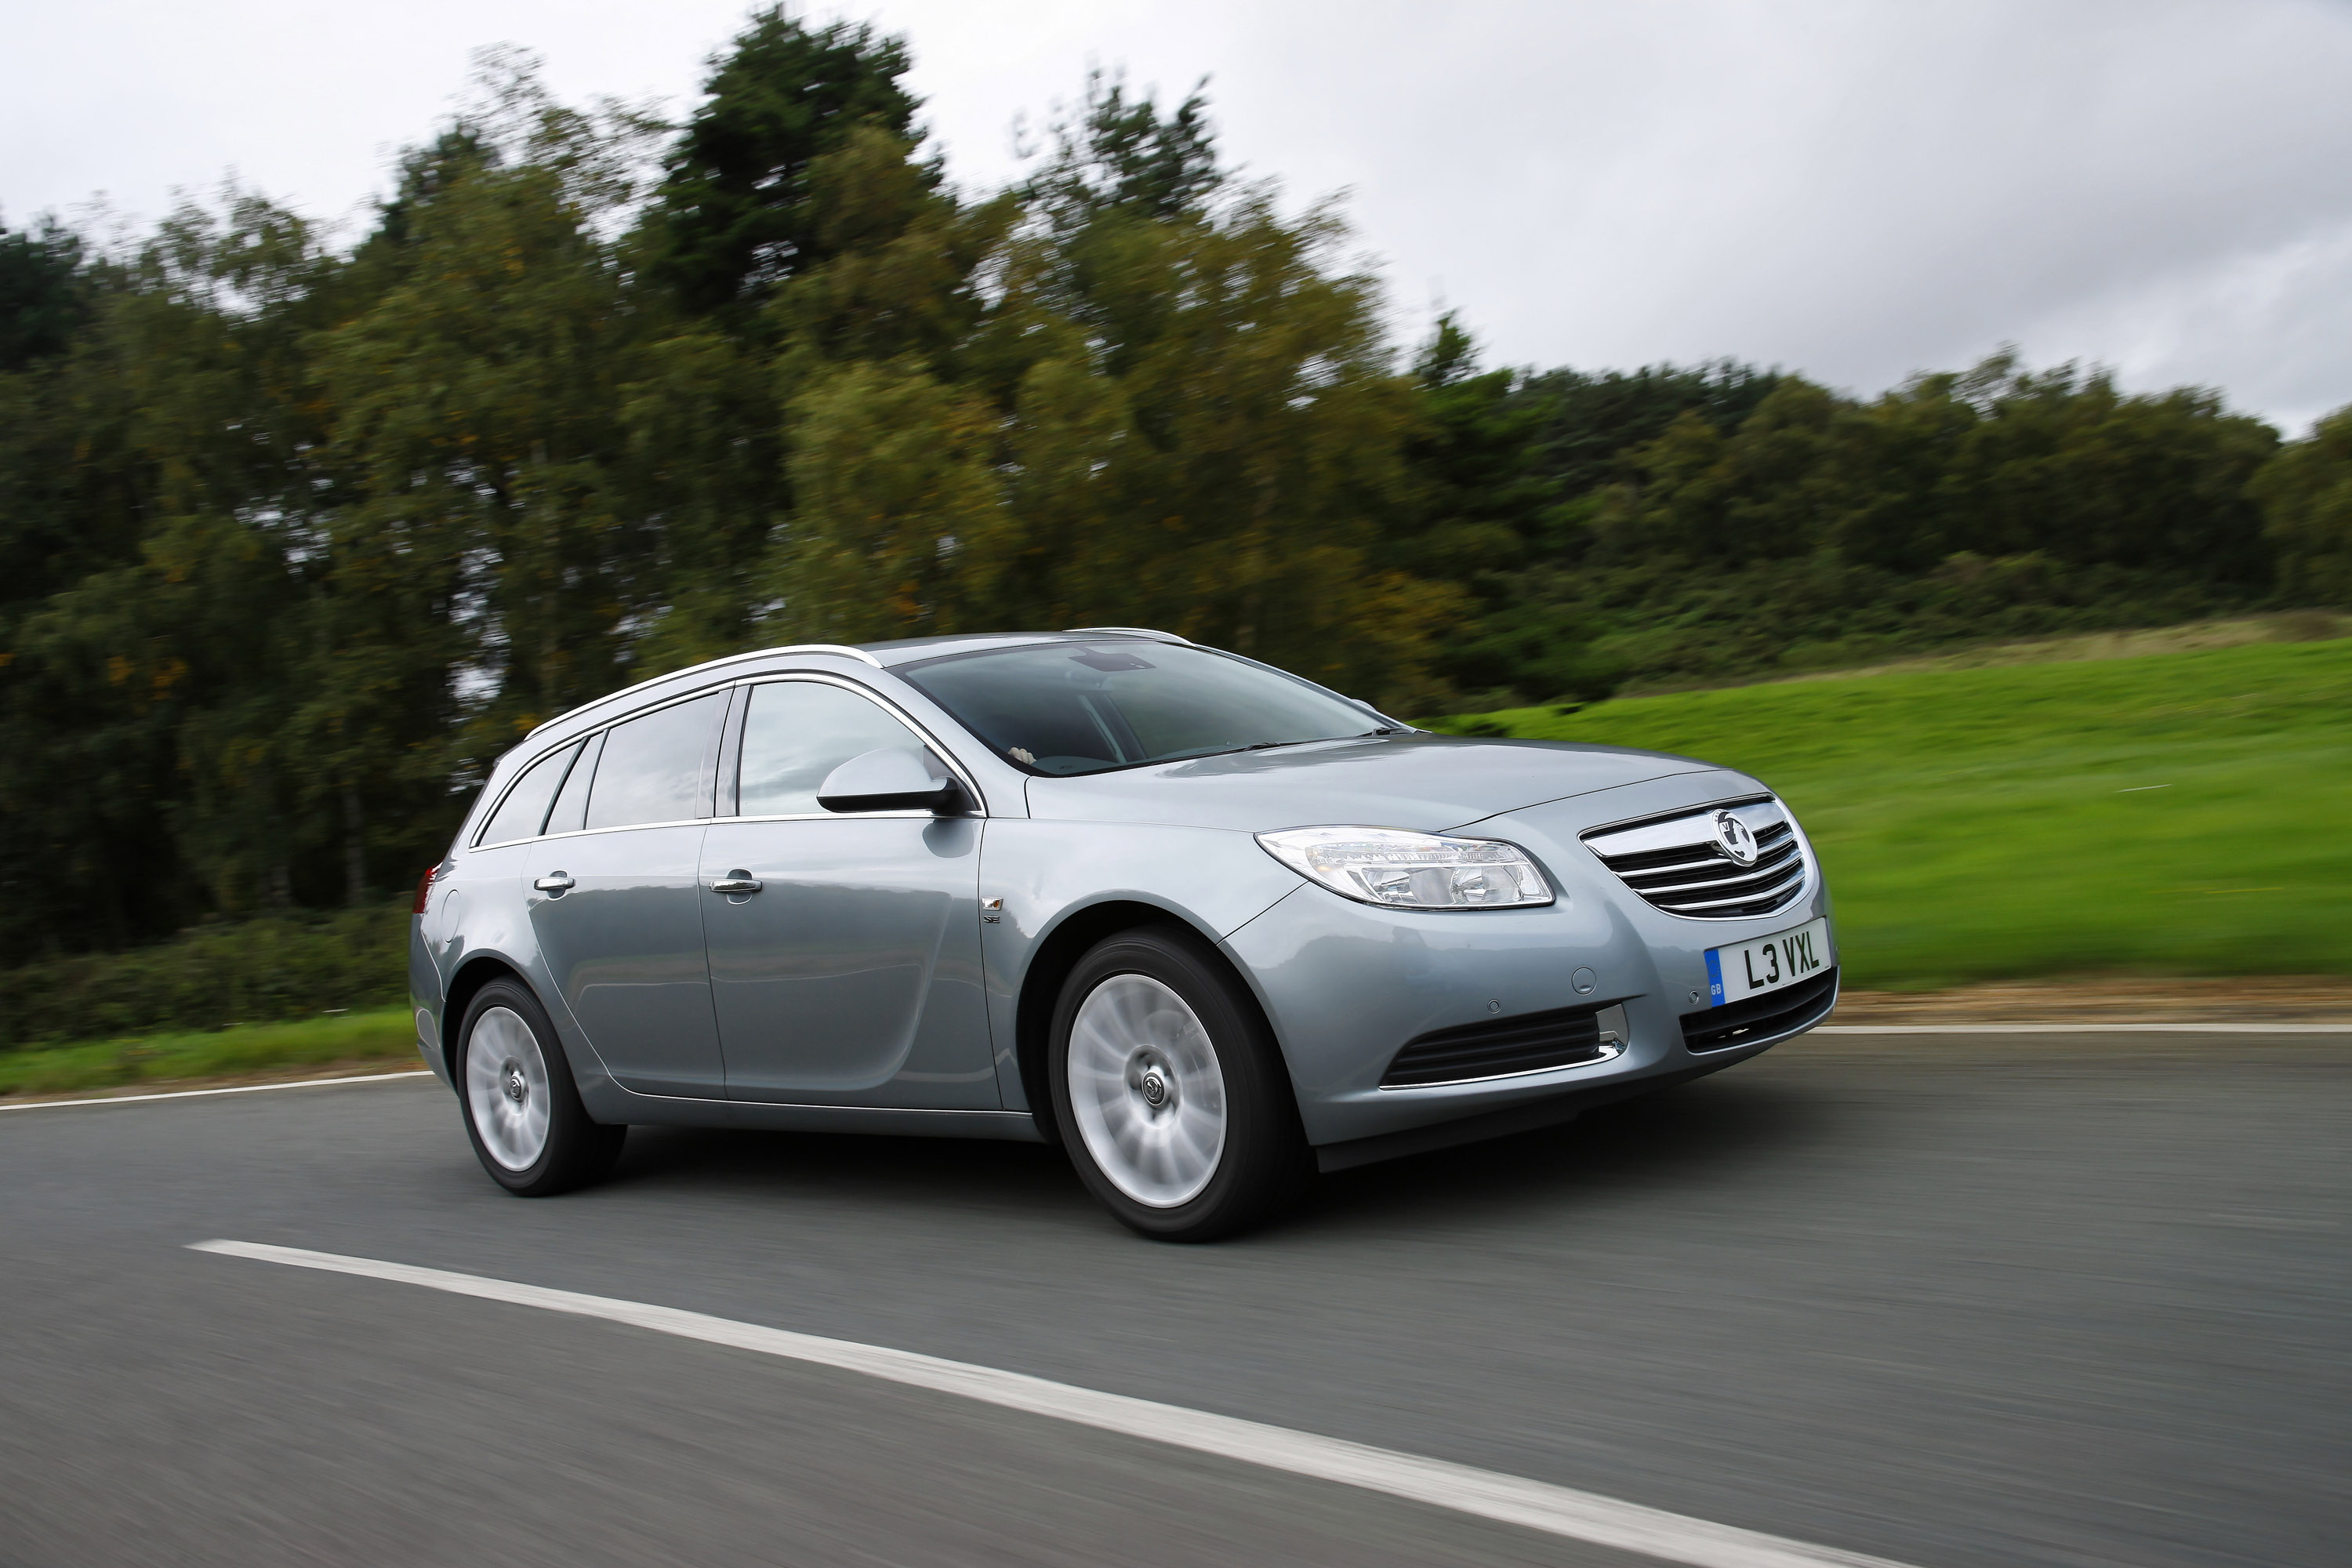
(515,1086)
(1155,1090)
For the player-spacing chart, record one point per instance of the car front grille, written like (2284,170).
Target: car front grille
(1760,1017)
(1525,1042)
(1677,863)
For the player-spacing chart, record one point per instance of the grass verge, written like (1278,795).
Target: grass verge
(384,1034)
(2177,813)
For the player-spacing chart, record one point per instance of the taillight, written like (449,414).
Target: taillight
(424,888)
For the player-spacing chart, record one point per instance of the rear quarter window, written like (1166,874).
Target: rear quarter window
(520,815)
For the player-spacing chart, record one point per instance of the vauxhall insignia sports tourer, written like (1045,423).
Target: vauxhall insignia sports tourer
(1207,926)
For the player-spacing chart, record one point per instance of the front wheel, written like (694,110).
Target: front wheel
(1171,1096)
(522,1110)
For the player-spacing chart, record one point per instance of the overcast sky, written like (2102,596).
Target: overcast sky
(1857,191)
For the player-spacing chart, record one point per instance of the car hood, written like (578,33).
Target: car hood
(1428,783)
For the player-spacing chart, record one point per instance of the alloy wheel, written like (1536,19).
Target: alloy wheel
(1147,1091)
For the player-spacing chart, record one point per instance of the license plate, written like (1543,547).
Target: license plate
(1767,964)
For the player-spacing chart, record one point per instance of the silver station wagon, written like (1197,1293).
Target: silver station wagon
(1206,925)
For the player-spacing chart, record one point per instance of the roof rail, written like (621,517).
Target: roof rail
(1134,632)
(833,647)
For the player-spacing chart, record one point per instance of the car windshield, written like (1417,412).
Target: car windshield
(1083,708)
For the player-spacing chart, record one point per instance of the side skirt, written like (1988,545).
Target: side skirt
(612,1103)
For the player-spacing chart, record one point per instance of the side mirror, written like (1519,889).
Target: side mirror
(892,779)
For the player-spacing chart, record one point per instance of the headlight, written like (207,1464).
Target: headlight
(1411,871)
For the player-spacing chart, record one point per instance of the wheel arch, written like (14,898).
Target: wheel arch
(1058,953)
(473,975)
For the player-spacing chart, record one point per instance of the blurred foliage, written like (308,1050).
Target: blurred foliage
(217,974)
(296,539)
(2307,491)
(734,213)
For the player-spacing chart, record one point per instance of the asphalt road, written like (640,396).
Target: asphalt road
(1953,1300)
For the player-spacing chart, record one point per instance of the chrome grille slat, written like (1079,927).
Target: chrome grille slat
(1674,864)
(1748,898)
(1763,870)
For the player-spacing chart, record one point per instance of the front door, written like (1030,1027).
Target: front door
(852,976)
(616,903)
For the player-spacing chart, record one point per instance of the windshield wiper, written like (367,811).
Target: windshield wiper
(1259,746)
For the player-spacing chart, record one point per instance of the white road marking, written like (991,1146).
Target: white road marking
(1536,1505)
(234,1089)
(2082,1029)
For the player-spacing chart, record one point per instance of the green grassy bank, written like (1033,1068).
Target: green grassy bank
(385,1034)
(2183,813)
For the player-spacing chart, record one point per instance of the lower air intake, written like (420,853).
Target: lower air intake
(1760,1017)
(1527,1042)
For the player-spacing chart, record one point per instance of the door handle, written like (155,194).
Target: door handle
(555,884)
(737,882)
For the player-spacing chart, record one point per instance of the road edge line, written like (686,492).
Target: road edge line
(1460,1488)
(230,1088)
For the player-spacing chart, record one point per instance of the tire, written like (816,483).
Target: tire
(521,1107)
(1168,1091)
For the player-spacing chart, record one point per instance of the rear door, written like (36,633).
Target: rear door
(852,976)
(616,905)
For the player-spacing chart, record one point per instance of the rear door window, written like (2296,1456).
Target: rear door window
(525,807)
(655,768)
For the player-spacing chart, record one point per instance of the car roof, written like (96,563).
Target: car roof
(880,655)
(907,650)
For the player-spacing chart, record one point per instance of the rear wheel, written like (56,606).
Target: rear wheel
(1171,1096)
(522,1110)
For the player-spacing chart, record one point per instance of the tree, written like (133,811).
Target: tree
(1119,155)
(1483,499)
(1205,439)
(898,529)
(732,217)
(2306,491)
(1594,422)
(141,724)
(44,295)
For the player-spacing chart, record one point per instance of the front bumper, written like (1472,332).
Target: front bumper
(1345,985)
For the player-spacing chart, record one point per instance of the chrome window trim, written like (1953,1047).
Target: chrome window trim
(842,649)
(492,814)
(707,821)
(835,816)
(581,739)
(923,732)
(624,828)
(697,695)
